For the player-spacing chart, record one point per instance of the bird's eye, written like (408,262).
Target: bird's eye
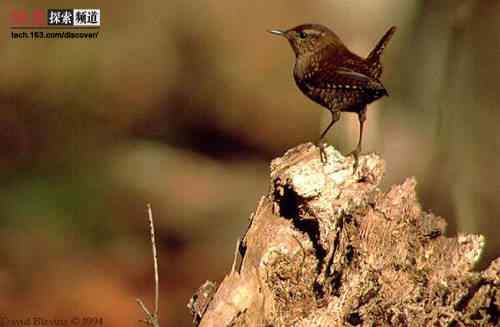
(302,34)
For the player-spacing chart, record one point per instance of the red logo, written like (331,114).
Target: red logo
(21,17)
(38,17)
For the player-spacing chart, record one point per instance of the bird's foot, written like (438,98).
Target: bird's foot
(322,152)
(355,153)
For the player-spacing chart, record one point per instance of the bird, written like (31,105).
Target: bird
(328,73)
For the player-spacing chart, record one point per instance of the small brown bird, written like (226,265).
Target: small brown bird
(333,76)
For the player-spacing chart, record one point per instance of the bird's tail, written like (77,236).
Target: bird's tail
(374,56)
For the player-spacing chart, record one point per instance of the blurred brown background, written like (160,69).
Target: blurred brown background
(182,104)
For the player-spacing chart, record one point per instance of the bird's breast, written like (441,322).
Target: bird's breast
(306,67)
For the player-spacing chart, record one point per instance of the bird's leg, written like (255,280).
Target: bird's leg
(357,150)
(321,145)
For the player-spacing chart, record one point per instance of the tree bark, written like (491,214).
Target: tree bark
(327,247)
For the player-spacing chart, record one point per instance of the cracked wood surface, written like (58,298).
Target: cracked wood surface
(327,247)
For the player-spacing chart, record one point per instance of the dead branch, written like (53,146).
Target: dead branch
(152,318)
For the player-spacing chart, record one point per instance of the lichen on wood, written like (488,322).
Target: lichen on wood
(327,247)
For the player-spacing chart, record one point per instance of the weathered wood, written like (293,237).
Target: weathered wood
(327,247)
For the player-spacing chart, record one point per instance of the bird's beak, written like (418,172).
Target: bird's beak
(277,32)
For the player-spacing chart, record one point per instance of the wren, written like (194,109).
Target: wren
(331,75)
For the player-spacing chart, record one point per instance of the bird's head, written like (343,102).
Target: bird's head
(309,38)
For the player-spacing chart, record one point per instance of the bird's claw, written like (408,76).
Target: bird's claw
(355,153)
(322,152)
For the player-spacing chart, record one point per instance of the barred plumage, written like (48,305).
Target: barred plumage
(333,76)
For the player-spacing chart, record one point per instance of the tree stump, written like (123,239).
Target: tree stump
(327,247)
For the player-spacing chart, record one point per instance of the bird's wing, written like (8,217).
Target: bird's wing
(345,78)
